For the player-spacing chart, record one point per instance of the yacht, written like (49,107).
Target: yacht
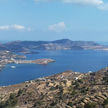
(13,67)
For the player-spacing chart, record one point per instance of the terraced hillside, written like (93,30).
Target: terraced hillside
(65,90)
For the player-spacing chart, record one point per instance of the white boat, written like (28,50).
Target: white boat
(13,67)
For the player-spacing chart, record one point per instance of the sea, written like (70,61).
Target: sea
(76,60)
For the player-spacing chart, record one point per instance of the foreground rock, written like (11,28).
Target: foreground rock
(65,90)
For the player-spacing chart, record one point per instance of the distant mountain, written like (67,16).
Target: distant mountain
(75,43)
(2,47)
(63,44)
(103,43)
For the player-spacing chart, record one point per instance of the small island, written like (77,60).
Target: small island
(37,61)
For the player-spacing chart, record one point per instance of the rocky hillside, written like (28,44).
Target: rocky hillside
(63,44)
(65,90)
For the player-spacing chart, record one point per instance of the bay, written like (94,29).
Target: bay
(76,60)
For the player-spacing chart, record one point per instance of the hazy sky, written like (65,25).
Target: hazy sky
(54,19)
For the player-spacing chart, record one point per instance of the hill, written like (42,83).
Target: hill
(65,90)
(63,44)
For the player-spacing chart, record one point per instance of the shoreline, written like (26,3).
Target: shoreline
(62,75)
(42,61)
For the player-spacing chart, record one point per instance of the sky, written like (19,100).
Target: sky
(54,19)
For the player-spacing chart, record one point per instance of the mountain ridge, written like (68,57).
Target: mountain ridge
(62,44)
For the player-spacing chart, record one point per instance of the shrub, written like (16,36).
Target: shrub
(53,103)
(38,103)
(11,102)
(106,102)
(90,105)
(105,79)
(20,92)
(73,92)
(70,104)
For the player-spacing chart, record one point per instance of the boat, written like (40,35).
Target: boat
(13,67)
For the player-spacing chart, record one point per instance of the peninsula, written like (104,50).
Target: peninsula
(7,57)
(38,61)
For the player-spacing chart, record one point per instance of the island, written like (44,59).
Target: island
(32,47)
(38,61)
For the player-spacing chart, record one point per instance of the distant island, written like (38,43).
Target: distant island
(28,47)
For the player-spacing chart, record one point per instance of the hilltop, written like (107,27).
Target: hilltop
(63,44)
(65,90)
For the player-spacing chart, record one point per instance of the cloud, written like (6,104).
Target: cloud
(100,4)
(103,7)
(4,27)
(17,27)
(59,27)
(85,2)
(14,27)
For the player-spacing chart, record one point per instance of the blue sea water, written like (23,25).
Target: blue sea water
(76,60)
